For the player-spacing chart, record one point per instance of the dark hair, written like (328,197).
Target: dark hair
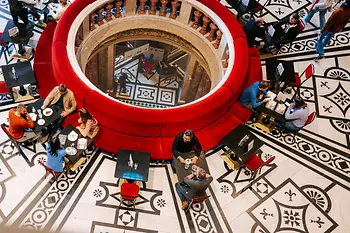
(62,88)
(189,133)
(54,145)
(152,55)
(299,102)
(296,16)
(263,84)
(85,115)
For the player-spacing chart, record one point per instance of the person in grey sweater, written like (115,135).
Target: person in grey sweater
(296,115)
(194,185)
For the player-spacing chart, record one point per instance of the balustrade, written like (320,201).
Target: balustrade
(96,17)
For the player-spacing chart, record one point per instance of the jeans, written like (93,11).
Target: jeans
(181,191)
(288,125)
(322,41)
(322,15)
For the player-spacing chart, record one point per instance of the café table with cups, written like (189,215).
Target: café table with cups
(42,117)
(183,170)
(75,144)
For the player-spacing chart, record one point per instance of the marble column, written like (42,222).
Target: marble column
(142,7)
(152,11)
(174,6)
(213,29)
(185,13)
(197,15)
(206,21)
(117,8)
(163,10)
(218,39)
(189,81)
(108,12)
(100,19)
(110,66)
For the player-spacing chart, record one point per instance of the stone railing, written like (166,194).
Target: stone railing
(162,8)
(105,13)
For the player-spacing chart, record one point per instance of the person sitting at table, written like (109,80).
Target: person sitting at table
(88,124)
(62,100)
(56,11)
(296,115)
(184,143)
(288,33)
(19,123)
(55,155)
(249,96)
(254,29)
(194,185)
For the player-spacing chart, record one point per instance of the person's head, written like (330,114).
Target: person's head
(84,115)
(63,2)
(21,109)
(55,144)
(152,55)
(201,173)
(294,18)
(62,88)
(263,86)
(299,102)
(123,75)
(259,21)
(188,135)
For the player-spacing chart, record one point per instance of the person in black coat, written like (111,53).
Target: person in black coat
(254,29)
(17,10)
(288,33)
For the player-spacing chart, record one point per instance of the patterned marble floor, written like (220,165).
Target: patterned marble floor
(303,190)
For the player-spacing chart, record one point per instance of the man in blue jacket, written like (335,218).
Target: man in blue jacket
(249,96)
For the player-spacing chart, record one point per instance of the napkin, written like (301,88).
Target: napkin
(82,143)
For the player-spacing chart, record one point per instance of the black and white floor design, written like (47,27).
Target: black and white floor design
(303,190)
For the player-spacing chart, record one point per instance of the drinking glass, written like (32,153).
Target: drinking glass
(135,166)
(39,113)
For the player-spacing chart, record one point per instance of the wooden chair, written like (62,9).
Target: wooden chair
(50,171)
(129,192)
(17,144)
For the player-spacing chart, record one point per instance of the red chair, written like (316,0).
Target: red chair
(4,48)
(129,192)
(309,120)
(254,164)
(308,72)
(50,171)
(196,200)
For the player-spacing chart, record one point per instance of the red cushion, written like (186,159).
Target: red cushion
(43,51)
(242,113)
(45,79)
(166,144)
(3,88)
(67,19)
(129,191)
(71,119)
(124,118)
(196,116)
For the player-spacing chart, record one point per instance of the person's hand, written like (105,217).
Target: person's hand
(291,106)
(63,114)
(43,107)
(194,159)
(265,100)
(267,96)
(181,160)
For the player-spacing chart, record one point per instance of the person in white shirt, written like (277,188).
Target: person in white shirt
(321,6)
(57,13)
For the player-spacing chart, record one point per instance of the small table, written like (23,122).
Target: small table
(48,119)
(180,167)
(24,75)
(75,160)
(288,75)
(124,171)
(24,34)
(234,141)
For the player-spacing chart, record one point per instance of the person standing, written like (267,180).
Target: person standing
(319,6)
(335,23)
(122,83)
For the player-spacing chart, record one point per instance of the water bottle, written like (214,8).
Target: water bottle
(33,109)
(131,163)
(14,75)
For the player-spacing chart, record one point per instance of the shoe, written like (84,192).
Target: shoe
(319,58)
(184,205)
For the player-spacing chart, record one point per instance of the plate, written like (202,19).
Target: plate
(71,150)
(73,136)
(47,112)
(33,116)
(41,122)
(45,1)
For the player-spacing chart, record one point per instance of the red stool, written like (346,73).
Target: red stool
(129,192)
(4,48)
(50,171)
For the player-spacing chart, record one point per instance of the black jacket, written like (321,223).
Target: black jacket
(251,31)
(284,37)
(15,6)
